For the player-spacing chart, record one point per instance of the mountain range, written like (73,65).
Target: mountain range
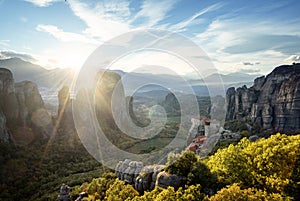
(50,81)
(24,70)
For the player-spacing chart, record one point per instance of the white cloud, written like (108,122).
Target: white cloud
(248,63)
(43,3)
(110,18)
(293,58)
(153,11)
(251,71)
(65,36)
(194,19)
(4,43)
(228,41)
(7,54)
(104,21)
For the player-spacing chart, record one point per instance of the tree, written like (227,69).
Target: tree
(267,164)
(234,192)
(189,165)
(119,191)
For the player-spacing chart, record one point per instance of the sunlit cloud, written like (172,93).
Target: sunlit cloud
(293,58)
(233,40)
(103,21)
(42,3)
(65,36)
(152,12)
(8,54)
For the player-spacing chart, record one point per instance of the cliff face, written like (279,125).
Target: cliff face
(272,103)
(65,114)
(7,102)
(22,110)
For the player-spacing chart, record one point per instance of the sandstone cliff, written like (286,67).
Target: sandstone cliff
(272,103)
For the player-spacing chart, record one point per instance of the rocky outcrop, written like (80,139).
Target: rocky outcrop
(272,103)
(65,114)
(171,105)
(64,193)
(146,180)
(8,100)
(128,170)
(4,135)
(143,178)
(165,179)
(21,109)
(32,112)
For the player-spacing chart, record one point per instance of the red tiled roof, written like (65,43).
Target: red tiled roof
(199,139)
(193,147)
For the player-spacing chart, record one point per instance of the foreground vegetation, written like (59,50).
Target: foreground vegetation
(36,172)
(267,169)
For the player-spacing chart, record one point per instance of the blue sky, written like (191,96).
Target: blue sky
(238,36)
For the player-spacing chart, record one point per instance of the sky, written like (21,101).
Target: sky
(238,36)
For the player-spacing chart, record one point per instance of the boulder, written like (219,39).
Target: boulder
(143,178)
(64,193)
(165,179)
(128,170)
(253,138)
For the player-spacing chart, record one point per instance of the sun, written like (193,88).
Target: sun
(65,56)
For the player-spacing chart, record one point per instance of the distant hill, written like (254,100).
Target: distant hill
(228,79)
(24,70)
(50,81)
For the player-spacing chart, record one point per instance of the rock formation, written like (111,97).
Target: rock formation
(64,193)
(4,135)
(145,178)
(8,100)
(165,179)
(65,114)
(272,103)
(21,109)
(128,170)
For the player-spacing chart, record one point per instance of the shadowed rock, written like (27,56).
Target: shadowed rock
(272,103)
(22,111)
